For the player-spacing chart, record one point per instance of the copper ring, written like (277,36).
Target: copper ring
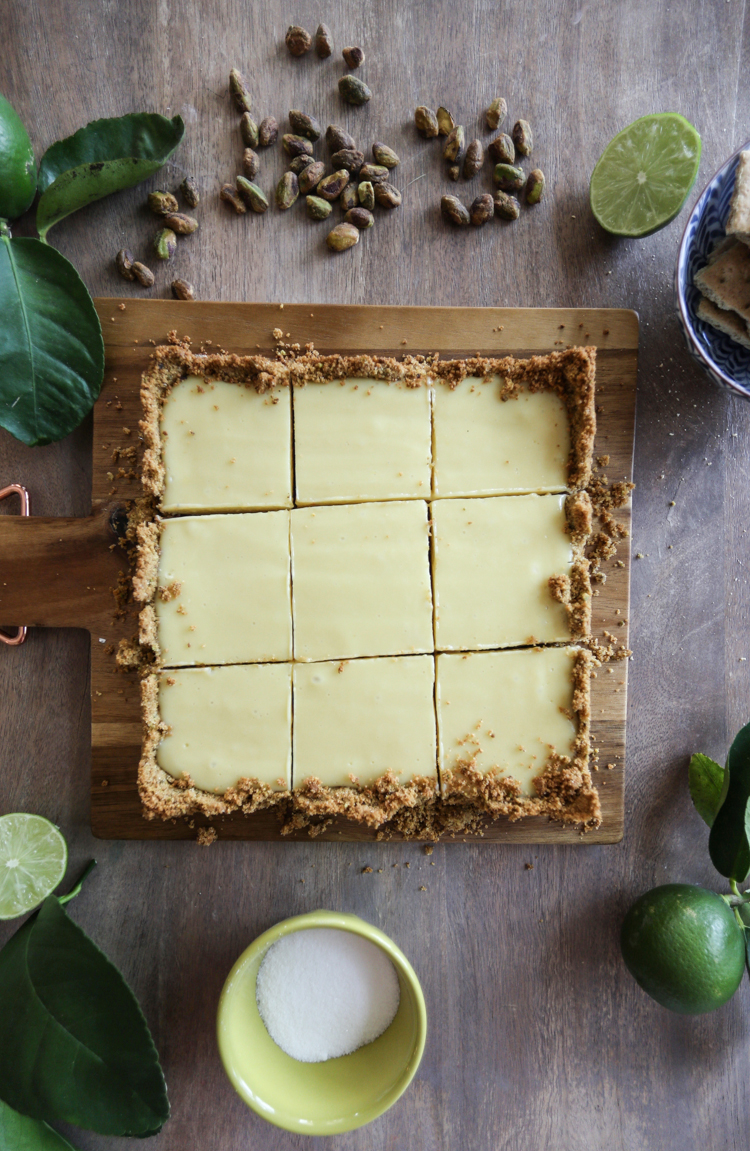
(18,489)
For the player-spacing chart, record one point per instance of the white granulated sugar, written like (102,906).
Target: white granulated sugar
(323,993)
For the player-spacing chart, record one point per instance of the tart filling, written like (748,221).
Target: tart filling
(361,439)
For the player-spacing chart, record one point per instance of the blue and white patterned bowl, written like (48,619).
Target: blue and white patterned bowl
(726,362)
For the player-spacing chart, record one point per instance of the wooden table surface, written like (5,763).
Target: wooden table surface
(538,1037)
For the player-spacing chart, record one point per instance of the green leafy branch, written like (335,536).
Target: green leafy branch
(51,346)
(74,1045)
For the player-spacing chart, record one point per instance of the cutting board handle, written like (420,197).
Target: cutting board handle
(61,572)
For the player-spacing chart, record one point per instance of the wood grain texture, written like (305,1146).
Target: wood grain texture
(63,572)
(538,1037)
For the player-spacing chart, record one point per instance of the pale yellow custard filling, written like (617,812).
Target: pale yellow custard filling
(361,580)
(358,719)
(506,710)
(361,439)
(488,446)
(492,561)
(224,594)
(227,724)
(225,447)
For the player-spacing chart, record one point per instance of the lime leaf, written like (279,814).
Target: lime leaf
(729,841)
(706,783)
(74,1046)
(643,176)
(20,1133)
(51,347)
(17,166)
(105,156)
(33,859)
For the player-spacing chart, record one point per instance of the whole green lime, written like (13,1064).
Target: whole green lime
(17,166)
(684,947)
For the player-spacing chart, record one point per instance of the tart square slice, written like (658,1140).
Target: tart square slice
(492,440)
(361,580)
(219,446)
(515,721)
(356,721)
(362,439)
(217,738)
(509,571)
(216,589)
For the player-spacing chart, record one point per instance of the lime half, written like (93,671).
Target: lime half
(643,176)
(33,858)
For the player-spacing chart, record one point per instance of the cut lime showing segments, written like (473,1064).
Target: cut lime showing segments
(643,176)
(33,858)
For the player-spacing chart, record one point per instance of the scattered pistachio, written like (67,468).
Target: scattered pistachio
(473,160)
(502,149)
(454,211)
(162,203)
(124,262)
(349,158)
(349,198)
(353,57)
(508,178)
(342,237)
(250,163)
(482,210)
(296,145)
(446,123)
(506,207)
(310,177)
(189,191)
(331,187)
(299,163)
(354,90)
(252,196)
(386,194)
(318,209)
(375,173)
(426,121)
(287,191)
(366,194)
(249,130)
(535,186)
(496,113)
(239,90)
(337,138)
(385,155)
(323,41)
(181,224)
(454,172)
(297,40)
(230,195)
(268,131)
(455,144)
(165,244)
(182,290)
(143,275)
(304,125)
(362,218)
(522,137)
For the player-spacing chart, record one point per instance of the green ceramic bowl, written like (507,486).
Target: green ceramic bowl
(318,1098)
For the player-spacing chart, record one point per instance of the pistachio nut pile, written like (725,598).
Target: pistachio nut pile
(467,161)
(174,224)
(359,185)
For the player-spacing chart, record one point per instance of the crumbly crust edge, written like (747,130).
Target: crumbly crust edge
(420,809)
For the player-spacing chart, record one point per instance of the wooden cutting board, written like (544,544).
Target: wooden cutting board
(61,572)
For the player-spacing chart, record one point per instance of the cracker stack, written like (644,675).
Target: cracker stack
(725,280)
